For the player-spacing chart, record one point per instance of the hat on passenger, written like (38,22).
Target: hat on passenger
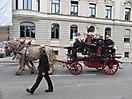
(101,35)
(107,36)
(92,34)
(81,39)
(42,47)
(76,38)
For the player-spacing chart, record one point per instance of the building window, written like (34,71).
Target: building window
(74,8)
(37,5)
(92,10)
(27,29)
(107,31)
(16,4)
(91,29)
(127,35)
(108,12)
(126,54)
(127,14)
(55,31)
(56,52)
(73,31)
(55,6)
(27,4)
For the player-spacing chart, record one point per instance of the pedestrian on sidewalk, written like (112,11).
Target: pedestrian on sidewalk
(42,69)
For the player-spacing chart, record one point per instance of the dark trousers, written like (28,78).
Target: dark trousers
(69,49)
(105,50)
(38,80)
(92,49)
(74,52)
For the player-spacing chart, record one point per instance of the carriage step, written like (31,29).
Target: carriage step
(115,56)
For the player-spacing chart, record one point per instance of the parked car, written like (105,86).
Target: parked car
(2,51)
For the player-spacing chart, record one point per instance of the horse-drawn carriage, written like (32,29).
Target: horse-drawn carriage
(109,64)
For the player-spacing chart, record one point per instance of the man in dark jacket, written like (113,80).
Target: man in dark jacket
(109,45)
(93,44)
(42,69)
(74,46)
(100,44)
(80,48)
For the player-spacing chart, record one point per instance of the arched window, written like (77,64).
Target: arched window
(27,29)
(91,29)
(108,31)
(73,29)
(55,31)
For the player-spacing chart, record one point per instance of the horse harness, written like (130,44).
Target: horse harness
(25,52)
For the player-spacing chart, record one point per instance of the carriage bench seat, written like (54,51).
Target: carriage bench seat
(80,55)
(83,53)
(115,56)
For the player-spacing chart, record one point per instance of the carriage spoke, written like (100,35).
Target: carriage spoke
(110,66)
(76,68)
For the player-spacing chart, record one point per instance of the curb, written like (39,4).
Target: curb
(9,60)
(14,61)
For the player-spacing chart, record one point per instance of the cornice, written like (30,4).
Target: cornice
(68,18)
(109,2)
(128,3)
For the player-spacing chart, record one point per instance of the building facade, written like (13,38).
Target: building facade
(53,22)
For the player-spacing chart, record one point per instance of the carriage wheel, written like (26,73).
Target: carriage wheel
(110,66)
(76,68)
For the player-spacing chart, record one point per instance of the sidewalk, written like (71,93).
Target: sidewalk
(9,60)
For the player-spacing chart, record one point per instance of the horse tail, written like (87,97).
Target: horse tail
(51,55)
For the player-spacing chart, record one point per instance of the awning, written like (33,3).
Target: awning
(4,34)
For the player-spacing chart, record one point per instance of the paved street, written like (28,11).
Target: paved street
(90,84)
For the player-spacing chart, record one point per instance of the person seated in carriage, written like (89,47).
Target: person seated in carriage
(92,44)
(80,48)
(100,44)
(100,40)
(109,44)
(74,46)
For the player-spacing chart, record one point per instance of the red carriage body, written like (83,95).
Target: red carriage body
(92,64)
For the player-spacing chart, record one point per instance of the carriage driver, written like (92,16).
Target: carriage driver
(74,46)
(80,48)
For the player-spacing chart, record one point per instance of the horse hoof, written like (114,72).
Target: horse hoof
(18,74)
(50,73)
(32,72)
